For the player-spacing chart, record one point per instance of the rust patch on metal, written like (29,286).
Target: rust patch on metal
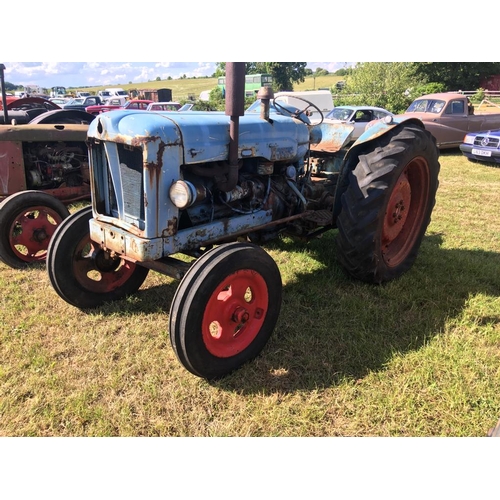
(330,139)
(136,141)
(171,228)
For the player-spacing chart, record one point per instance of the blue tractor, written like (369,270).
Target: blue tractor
(215,187)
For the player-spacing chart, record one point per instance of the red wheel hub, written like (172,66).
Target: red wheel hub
(30,233)
(397,210)
(234,313)
(405,212)
(97,271)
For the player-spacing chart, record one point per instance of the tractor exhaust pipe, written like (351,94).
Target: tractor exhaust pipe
(4,96)
(235,107)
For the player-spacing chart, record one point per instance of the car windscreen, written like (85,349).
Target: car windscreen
(426,106)
(339,113)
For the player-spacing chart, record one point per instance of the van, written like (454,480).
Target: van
(104,95)
(117,92)
(321,98)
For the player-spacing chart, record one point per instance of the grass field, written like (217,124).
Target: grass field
(419,356)
(182,88)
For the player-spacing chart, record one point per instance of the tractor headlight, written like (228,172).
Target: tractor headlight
(182,194)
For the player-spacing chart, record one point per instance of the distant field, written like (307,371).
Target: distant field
(182,88)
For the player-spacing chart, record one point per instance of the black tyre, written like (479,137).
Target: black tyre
(387,205)
(28,221)
(82,273)
(225,309)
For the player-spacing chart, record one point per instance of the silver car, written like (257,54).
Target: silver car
(358,116)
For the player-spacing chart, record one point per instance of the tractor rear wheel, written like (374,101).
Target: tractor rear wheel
(387,205)
(82,273)
(28,220)
(225,309)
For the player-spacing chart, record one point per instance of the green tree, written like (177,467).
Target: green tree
(216,101)
(456,75)
(158,79)
(9,86)
(284,73)
(380,84)
(321,72)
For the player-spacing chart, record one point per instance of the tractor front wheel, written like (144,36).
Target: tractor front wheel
(82,273)
(28,221)
(387,205)
(225,309)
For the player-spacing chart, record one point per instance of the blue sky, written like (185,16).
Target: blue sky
(79,74)
(163,31)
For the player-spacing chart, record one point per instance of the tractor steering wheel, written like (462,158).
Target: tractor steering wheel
(288,112)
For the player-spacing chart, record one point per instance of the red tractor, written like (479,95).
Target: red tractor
(43,168)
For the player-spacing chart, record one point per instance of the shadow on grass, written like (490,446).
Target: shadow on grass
(332,328)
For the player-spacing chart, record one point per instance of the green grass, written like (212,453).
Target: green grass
(182,88)
(419,356)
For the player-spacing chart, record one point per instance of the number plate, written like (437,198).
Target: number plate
(480,152)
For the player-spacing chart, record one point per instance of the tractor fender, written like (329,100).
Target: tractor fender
(366,142)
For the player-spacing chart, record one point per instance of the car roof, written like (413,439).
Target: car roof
(443,96)
(355,108)
(165,102)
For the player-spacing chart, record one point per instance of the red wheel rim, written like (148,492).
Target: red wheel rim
(30,233)
(405,212)
(235,313)
(96,271)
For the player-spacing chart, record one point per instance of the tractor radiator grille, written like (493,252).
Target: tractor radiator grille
(118,181)
(131,173)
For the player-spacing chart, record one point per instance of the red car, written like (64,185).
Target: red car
(134,104)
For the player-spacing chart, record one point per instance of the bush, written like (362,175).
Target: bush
(478,96)
(428,88)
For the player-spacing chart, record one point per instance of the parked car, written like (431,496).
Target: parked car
(163,106)
(133,104)
(110,104)
(75,101)
(137,104)
(82,103)
(104,95)
(25,109)
(482,146)
(187,107)
(60,101)
(358,116)
(449,116)
(117,92)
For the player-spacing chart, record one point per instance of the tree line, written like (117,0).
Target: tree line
(390,85)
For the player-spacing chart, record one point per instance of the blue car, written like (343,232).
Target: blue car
(482,146)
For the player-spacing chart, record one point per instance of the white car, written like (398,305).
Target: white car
(163,106)
(60,101)
(358,116)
